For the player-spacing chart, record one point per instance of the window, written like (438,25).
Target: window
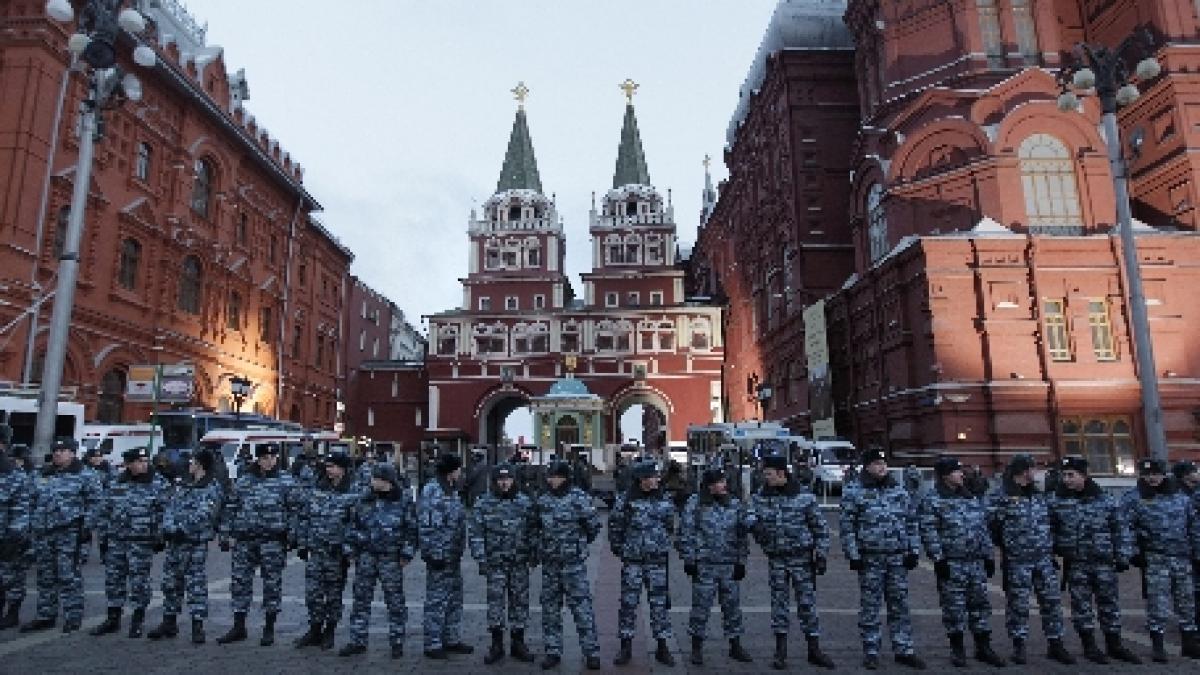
(616,254)
(241,231)
(317,362)
(375,348)
(60,231)
(362,340)
(233,316)
(631,208)
(632,253)
(447,344)
(370,417)
(189,285)
(111,402)
(264,324)
(273,250)
(539,302)
(491,259)
(534,257)
(511,302)
(569,340)
(1058,344)
(297,341)
(1048,180)
(701,334)
(418,417)
(514,213)
(485,304)
(202,188)
(656,297)
(876,223)
(633,298)
(141,165)
(1102,339)
(1106,442)
(653,253)
(508,258)
(302,272)
(610,299)
(127,269)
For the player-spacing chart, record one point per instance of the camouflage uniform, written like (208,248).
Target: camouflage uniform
(788,525)
(501,535)
(260,514)
(879,529)
(15,595)
(130,518)
(1091,535)
(324,518)
(15,502)
(103,473)
(64,509)
(639,533)
(382,540)
(567,525)
(1019,518)
(712,537)
(189,524)
(1166,532)
(442,523)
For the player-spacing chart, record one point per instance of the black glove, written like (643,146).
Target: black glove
(856,564)
(160,545)
(820,565)
(689,569)
(1138,561)
(302,553)
(435,565)
(224,544)
(910,561)
(941,568)
(1055,564)
(1122,566)
(483,569)
(989,567)
(739,571)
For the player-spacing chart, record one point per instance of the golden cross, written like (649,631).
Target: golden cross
(630,88)
(520,93)
(707,162)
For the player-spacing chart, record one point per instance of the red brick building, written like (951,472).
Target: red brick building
(199,243)
(985,311)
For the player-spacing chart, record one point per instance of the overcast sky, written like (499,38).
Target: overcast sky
(400,111)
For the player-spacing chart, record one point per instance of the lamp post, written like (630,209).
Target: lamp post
(763,392)
(239,387)
(94,44)
(1107,72)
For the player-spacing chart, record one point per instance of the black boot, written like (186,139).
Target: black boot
(167,628)
(237,632)
(697,656)
(551,661)
(815,655)
(352,650)
(398,650)
(1158,650)
(1117,650)
(459,648)
(1091,652)
(737,653)
(517,649)
(984,652)
(198,637)
(438,654)
(310,639)
(496,651)
(111,625)
(592,662)
(624,654)
(135,623)
(268,636)
(663,653)
(72,625)
(1057,652)
(958,650)
(912,661)
(1018,656)
(1191,644)
(10,618)
(327,635)
(37,624)
(780,660)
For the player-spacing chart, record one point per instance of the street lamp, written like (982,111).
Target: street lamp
(1107,71)
(764,392)
(94,46)
(239,387)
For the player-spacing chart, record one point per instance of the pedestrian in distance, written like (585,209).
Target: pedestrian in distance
(788,524)
(882,542)
(442,523)
(325,518)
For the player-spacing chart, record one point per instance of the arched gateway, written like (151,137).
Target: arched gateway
(522,337)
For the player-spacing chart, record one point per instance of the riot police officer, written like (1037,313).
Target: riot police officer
(15,502)
(442,523)
(324,519)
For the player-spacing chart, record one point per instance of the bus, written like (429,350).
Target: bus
(19,409)
(183,429)
(114,439)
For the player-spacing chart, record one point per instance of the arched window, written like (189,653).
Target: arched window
(189,285)
(131,258)
(60,230)
(1048,179)
(141,166)
(877,229)
(111,402)
(202,187)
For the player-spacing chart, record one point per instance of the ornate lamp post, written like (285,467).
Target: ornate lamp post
(1106,71)
(94,45)
(239,388)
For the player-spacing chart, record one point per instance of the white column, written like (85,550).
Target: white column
(434,400)
(552,253)
(473,259)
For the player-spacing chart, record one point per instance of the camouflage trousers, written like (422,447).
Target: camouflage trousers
(12,574)
(15,592)
(56,555)
(1088,580)
(388,572)
(443,613)
(127,573)
(653,576)
(964,598)
(183,567)
(1036,577)
(713,581)
(268,557)
(324,584)
(567,581)
(884,578)
(1169,583)
(508,584)
(788,575)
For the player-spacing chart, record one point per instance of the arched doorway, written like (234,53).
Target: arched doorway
(505,419)
(566,431)
(642,415)
(110,404)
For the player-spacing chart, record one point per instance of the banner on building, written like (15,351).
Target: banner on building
(820,382)
(174,384)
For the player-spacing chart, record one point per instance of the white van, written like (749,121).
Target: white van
(829,460)
(114,439)
(229,443)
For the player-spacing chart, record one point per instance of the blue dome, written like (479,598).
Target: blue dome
(569,386)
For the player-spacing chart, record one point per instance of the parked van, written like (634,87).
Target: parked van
(829,460)
(114,439)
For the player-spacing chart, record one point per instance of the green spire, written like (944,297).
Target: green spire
(520,170)
(631,160)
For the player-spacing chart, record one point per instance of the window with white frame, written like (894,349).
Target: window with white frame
(491,255)
(633,298)
(654,250)
(491,339)
(656,297)
(447,340)
(531,338)
(614,250)
(419,419)
(485,304)
(605,339)
(569,338)
(511,302)
(370,417)
(611,299)
(539,302)
(633,249)
(877,229)
(1048,181)
(701,334)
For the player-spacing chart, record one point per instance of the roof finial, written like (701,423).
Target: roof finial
(630,88)
(520,93)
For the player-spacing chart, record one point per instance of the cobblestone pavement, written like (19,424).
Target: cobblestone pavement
(51,652)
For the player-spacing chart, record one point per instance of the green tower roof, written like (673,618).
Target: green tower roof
(631,160)
(520,170)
